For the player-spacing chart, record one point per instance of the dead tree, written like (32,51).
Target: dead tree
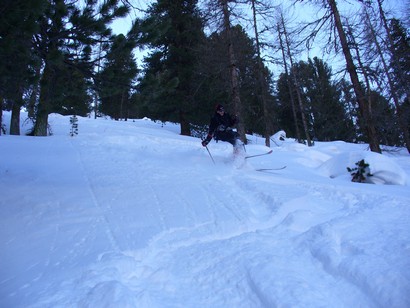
(296,82)
(332,14)
(261,79)
(234,72)
(292,98)
(351,69)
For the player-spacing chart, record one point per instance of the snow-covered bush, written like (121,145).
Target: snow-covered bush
(74,125)
(360,173)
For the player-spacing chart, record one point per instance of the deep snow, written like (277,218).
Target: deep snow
(131,214)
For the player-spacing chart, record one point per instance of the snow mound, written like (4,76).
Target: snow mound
(279,138)
(382,167)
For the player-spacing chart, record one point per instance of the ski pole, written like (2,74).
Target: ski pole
(210,154)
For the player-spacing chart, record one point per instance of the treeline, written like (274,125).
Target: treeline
(60,56)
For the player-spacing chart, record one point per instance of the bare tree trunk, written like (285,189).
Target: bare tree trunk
(261,80)
(96,98)
(185,125)
(362,69)
(33,100)
(15,112)
(234,70)
(46,94)
(370,128)
(292,98)
(15,119)
(297,86)
(122,113)
(40,128)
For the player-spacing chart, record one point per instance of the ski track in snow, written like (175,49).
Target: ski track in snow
(53,213)
(220,238)
(96,204)
(280,212)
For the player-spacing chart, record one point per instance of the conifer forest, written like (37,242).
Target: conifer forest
(343,73)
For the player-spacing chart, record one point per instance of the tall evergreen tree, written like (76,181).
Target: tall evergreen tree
(257,114)
(68,31)
(116,79)
(386,122)
(349,103)
(18,25)
(173,29)
(216,82)
(72,89)
(328,118)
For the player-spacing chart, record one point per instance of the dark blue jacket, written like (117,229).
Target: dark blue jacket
(221,128)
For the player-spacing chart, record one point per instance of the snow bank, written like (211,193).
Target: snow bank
(382,167)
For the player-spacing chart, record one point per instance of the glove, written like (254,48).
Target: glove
(207,140)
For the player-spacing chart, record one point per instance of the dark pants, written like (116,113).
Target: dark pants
(228,136)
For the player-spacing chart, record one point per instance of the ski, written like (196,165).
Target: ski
(251,156)
(271,169)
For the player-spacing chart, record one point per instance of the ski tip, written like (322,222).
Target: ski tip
(256,155)
(271,169)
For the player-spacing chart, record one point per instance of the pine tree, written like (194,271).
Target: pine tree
(66,37)
(174,30)
(115,81)
(74,125)
(18,24)
(328,118)
(215,79)
(361,172)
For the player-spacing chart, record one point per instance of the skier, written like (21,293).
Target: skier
(221,129)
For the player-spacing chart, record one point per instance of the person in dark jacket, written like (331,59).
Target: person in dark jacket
(221,128)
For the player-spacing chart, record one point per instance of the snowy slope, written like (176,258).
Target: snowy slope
(131,214)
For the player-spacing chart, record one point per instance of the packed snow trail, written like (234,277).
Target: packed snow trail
(52,224)
(140,217)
